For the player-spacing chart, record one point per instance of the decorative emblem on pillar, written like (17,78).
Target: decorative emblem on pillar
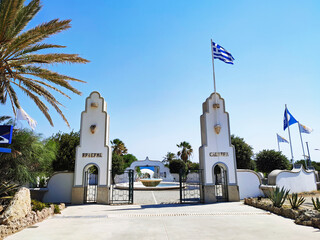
(93,128)
(217,128)
(94,105)
(216,105)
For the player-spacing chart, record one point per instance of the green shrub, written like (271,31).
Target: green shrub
(176,165)
(316,204)
(278,196)
(37,205)
(269,160)
(56,209)
(296,202)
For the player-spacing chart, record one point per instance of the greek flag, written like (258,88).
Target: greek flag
(282,139)
(219,52)
(305,129)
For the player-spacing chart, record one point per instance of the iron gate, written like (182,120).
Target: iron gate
(122,188)
(221,186)
(191,186)
(90,188)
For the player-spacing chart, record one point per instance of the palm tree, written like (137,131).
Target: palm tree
(185,152)
(118,147)
(168,157)
(22,67)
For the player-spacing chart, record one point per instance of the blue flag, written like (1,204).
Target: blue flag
(220,53)
(288,119)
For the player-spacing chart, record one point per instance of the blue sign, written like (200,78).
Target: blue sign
(5,150)
(5,134)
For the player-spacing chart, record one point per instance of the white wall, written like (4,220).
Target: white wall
(297,180)
(249,183)
(148,162)
(59,188)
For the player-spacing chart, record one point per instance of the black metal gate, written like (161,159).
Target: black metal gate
(221,186)
(122,188)
(191,186)
(90,187)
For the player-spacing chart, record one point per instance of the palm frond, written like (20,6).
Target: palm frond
(8,12)
(43,108)
(41,91)
(21,66)
(36,35)
(43,73)
(49,86)
(51,58)
(23,17)
(35,48)
(4,118)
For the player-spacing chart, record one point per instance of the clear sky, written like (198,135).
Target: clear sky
(151,61)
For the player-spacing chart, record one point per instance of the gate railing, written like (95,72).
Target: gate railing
(91,186)
(191,186)
(122,191)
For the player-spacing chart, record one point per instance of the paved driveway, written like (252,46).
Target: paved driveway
(175,221)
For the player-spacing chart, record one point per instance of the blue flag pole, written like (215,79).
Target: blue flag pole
(286,111)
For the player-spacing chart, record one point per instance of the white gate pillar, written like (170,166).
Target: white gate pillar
(216,148)
(94,149)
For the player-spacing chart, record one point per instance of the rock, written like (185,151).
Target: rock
(316,222)
(277,210)
(19,206)
(287,212)
(62,206)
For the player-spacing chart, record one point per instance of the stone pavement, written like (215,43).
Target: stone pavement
(166,221)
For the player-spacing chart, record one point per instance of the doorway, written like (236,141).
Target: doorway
(220,182)
(91,184)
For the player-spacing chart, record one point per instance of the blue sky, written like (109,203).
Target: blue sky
(151,61)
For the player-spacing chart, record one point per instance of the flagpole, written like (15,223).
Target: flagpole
(278,142)
(308,154)
(292,160)
(214,77)
(304,156)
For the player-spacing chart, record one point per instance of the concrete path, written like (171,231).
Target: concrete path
(175,221)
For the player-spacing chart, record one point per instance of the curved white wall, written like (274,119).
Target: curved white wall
(297,181)
(59,188)
(164,171)
(249,183)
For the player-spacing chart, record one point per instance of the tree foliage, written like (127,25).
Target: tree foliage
(117,165)
(176,165)
(193,166)
(30,157)
(128,159)
(120,159)
(66,150)
(118,147)
(243,151)
(314,164)
(169,157)
(185,152)
(22,67)
(269,160)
